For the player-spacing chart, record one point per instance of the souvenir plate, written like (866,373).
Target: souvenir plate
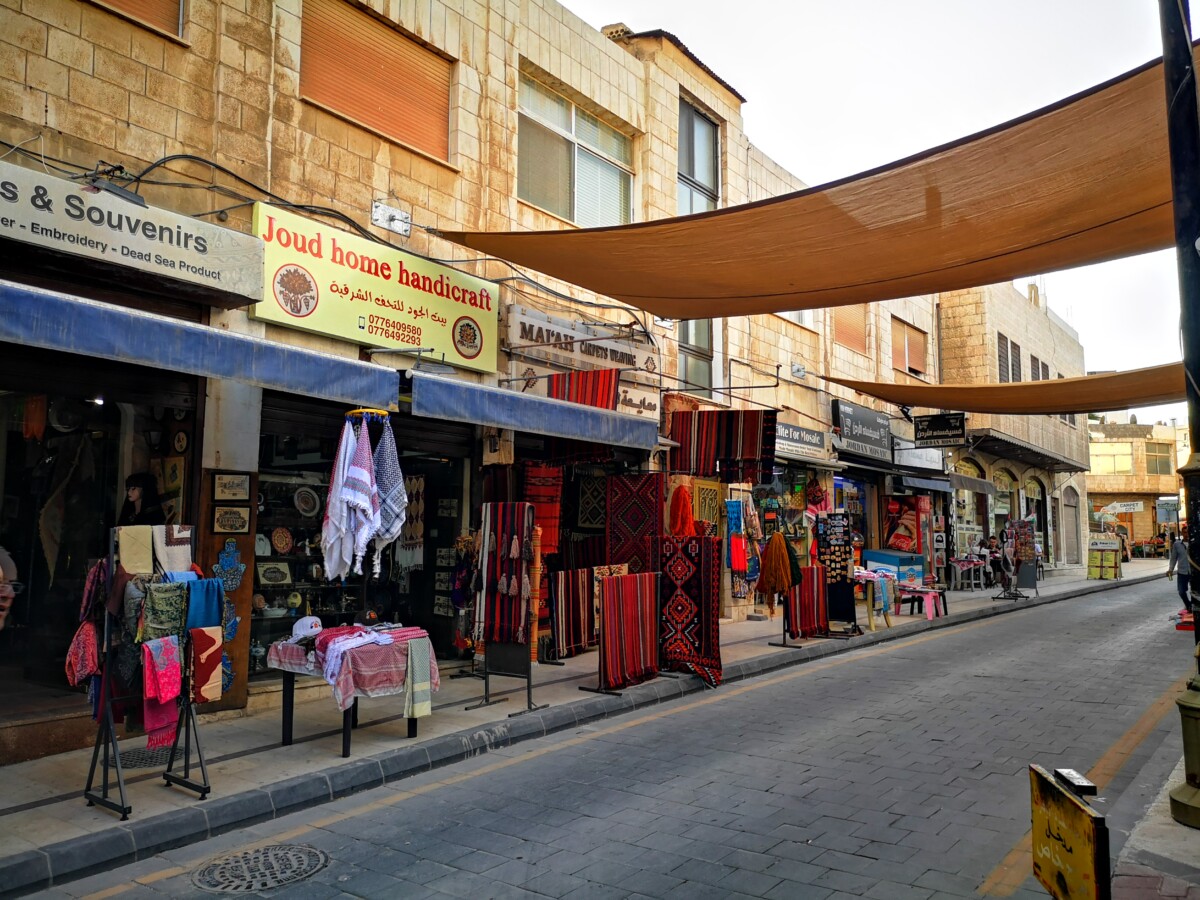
(307,501)
(281,540)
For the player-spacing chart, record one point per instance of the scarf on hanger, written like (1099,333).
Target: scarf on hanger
(206,664)
(335,549)
(162,678)
(361,496)
(172,547)
(393,499)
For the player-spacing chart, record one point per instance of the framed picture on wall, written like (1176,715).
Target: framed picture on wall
(231,520)
(273,574)
(229,486)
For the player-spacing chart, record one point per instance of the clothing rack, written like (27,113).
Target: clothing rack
(106,750)
(510,660)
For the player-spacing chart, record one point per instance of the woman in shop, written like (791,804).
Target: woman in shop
(8,585)
(142,504)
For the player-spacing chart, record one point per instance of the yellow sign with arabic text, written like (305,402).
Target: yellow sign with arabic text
(1070,841)
(330,282)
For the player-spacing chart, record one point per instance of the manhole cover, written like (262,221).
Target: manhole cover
(259,870)
(143,759)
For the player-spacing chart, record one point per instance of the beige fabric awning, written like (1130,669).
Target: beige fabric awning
(1090,393)
(1083,181)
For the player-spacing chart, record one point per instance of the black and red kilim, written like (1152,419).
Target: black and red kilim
(690,595)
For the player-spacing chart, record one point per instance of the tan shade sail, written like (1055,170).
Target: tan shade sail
(1091,393)
(1083,181)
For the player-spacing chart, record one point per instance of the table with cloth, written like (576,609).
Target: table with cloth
(406,666)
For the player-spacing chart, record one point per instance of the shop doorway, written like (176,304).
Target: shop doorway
(1035,507)
(1071,526)
(1006,501)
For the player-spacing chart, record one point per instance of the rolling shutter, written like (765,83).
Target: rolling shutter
(164,15)
(1002,366)
(359,68)
(850,327)
(917,351)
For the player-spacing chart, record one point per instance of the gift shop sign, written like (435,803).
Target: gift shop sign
(863,431)
(941,430)
(794,442)
(62,215)
(329,282)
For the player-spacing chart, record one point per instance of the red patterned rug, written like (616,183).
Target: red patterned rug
(629,630)
(543,488)
(635,520)
(690,591)
(571,611)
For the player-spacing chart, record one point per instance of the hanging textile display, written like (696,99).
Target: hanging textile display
(737,445)
(135,548)
(205,599)
(682,521)
(776,575)
(172,548)
(583,552)
(814,614)
(634,520)
(206,664)
(628,629)
(572,612)
(690,594)
(361,496)
(164,611)
(501,610)
(592,495)
(163,676)
(498,446)
(33,426)
(599,572)
(393,501)
(337,547)
(409,554)
(593,387)
(543,488)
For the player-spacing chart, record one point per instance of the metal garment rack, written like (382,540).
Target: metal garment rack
(107,751)
(509,660)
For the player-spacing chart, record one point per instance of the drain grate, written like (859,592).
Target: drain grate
(143,759)
(259,870)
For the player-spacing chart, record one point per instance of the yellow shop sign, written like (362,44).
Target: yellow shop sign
(337,284)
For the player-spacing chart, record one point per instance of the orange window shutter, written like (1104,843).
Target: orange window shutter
(161,14)
(917,349)
(360,68)
(899,345)
(850,327)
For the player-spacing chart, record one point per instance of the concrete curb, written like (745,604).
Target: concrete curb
(68,860)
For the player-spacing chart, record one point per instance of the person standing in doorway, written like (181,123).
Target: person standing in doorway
(1178,565)
(9,586)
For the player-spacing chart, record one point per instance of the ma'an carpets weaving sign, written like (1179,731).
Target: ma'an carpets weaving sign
(329,282)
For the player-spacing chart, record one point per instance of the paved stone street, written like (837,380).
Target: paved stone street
(896,771)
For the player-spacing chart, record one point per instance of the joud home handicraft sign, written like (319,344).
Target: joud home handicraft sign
(543,345)
(62,215)
(334,283)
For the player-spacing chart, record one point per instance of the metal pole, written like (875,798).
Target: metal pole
(1183,134)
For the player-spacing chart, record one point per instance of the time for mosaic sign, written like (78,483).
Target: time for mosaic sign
(330,282)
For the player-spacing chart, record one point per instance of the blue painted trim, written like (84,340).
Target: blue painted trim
(56,321)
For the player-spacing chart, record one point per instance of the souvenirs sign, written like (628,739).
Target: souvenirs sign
(330,282)
(62,215)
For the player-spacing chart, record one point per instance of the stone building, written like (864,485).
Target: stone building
(1133,466)
(1028,465)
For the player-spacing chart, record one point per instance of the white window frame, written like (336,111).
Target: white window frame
(802,317)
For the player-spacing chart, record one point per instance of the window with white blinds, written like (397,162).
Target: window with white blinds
(569,162)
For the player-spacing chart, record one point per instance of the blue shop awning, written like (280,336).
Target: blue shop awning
(462,401)
(56,321)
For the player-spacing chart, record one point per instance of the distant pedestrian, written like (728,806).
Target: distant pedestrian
(1178,565)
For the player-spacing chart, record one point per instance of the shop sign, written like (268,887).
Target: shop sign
(534,335)
(1167,509)
(941,430)
(1070,840)
(794,442)
(62,215)
(1124,506)
(863,431)
(330,282)
(918,457)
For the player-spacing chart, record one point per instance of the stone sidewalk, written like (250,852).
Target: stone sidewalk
(49,836)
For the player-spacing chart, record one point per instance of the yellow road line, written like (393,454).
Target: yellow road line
(400,796)
(1007,877)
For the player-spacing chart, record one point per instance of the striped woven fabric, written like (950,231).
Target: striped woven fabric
(543,488)
(629,631)
(813,612)
(739,445)
(599,572)
(572,626)
(507,550)
(594,387)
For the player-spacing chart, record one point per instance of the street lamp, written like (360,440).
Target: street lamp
(1183,134)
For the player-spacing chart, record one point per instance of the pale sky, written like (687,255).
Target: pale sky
(835,88)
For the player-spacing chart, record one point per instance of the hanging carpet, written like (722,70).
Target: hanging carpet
(592,494)
(572,617)
(690,592)
(814,614)
(635,520)
(543,488)
(628,630)
(503,605)
(598,573)
(584,552)
(594,387)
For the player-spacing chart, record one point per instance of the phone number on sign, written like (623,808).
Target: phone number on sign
(393,330)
